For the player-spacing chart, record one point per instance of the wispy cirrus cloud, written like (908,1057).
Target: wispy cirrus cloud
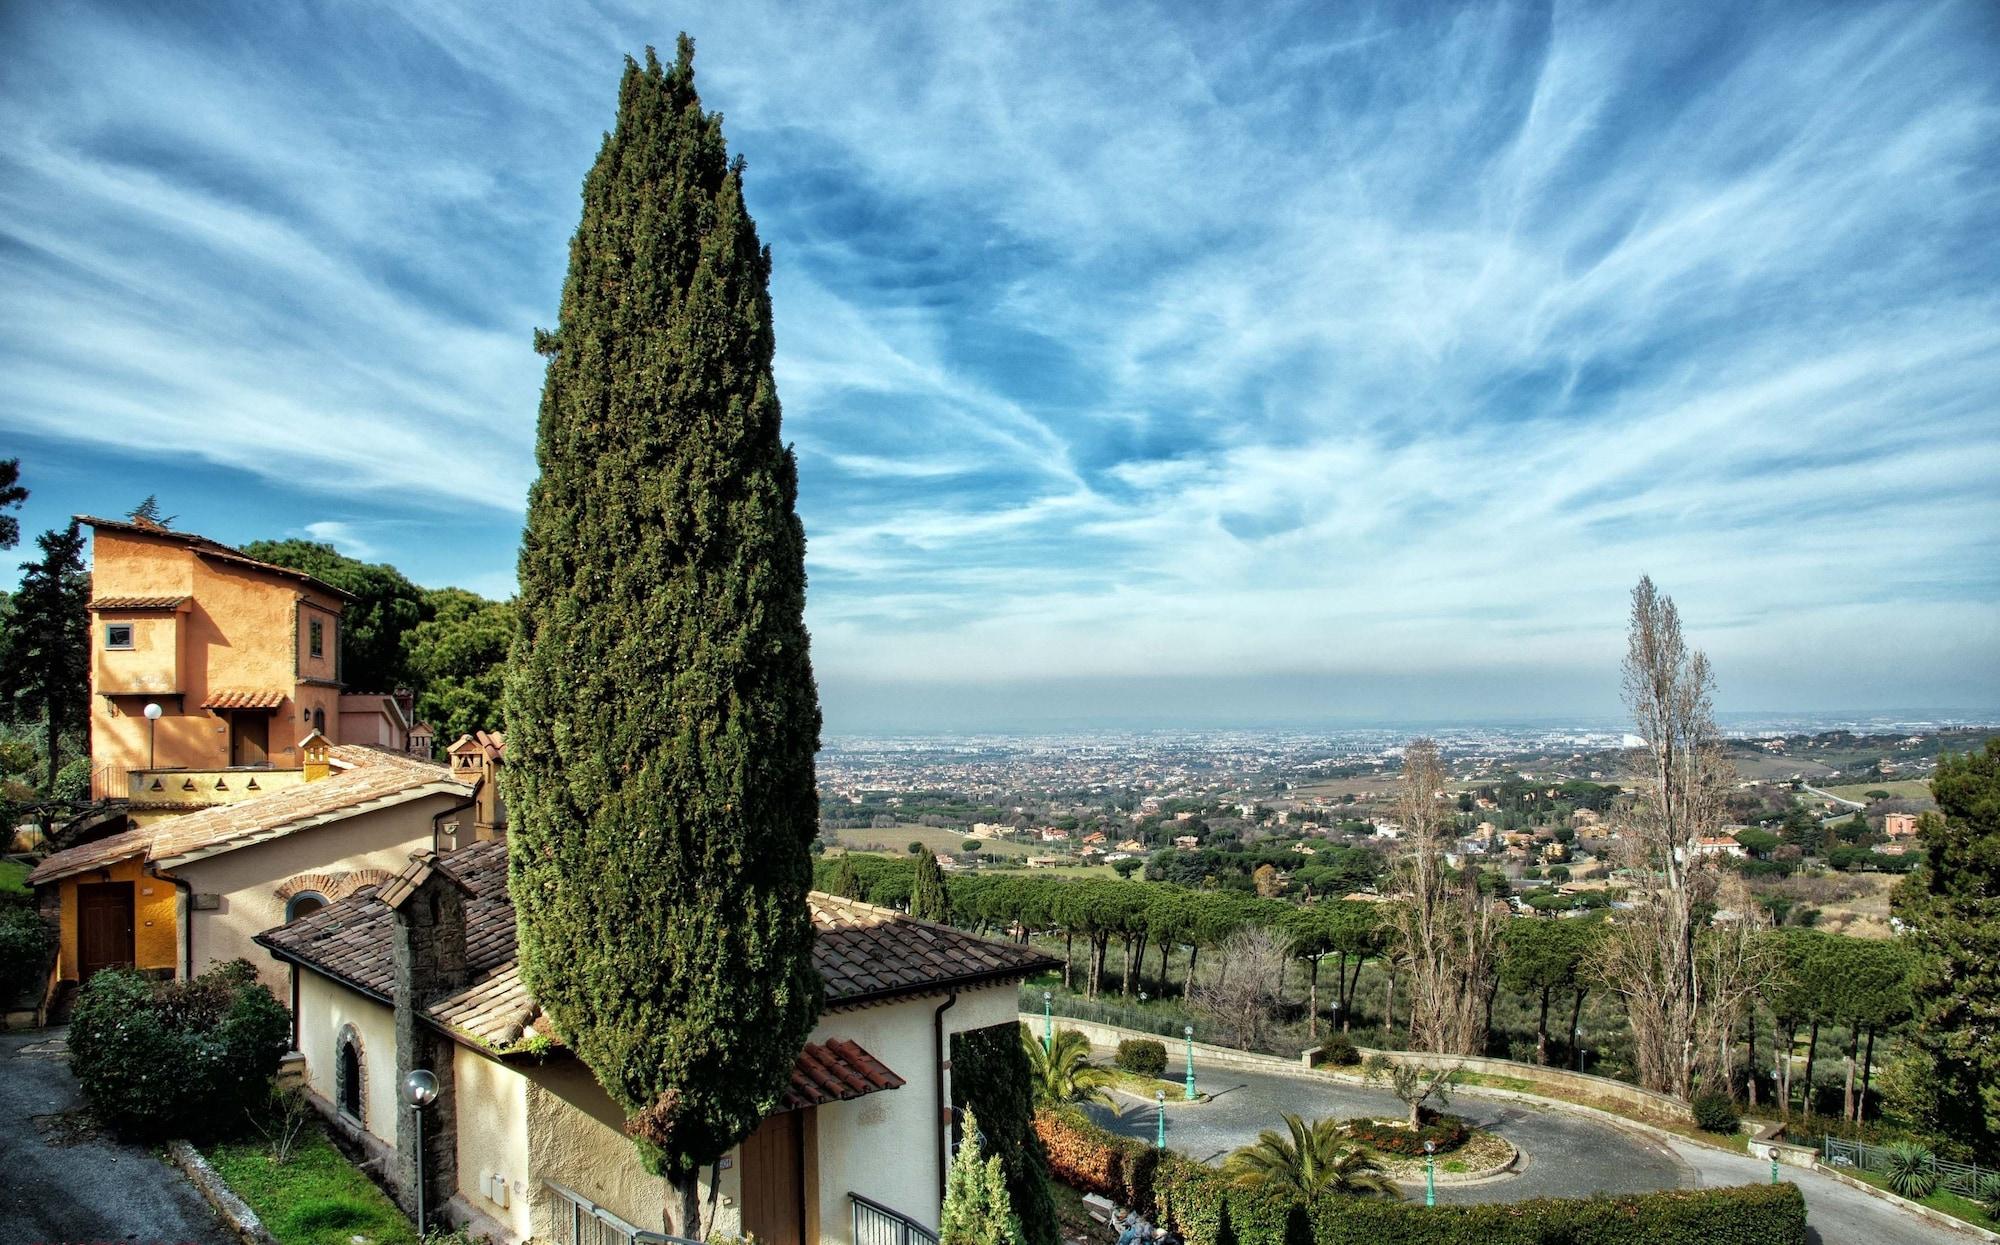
(1116,341)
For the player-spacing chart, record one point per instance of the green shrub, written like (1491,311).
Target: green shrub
(25,943)
(172,1059)
(1715,1113)
(1447,1132)
(1340,1050)
(1142,1056)
(72,780)
(1912,1170)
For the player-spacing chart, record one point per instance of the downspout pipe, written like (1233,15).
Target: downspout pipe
(943,1093)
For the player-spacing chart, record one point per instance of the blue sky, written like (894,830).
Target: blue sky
(1172,364)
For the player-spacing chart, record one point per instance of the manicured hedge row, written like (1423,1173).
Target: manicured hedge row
(1206,1210)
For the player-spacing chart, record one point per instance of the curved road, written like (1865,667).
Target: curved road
(1565,1154)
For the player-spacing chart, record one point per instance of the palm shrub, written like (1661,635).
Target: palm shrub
(1313,1159)
(1063,1073)
(1912,1170)
(160,1059)
(1987,1194)
(1142,1057)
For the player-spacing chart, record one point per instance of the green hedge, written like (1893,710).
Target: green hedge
(1206,1210)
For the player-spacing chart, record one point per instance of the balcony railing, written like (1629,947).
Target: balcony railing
(876,1224)
(580,1221)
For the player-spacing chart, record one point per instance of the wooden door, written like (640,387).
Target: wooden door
(774,1186)
(250,738)
(103,927)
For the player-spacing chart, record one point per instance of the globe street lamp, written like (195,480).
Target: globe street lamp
(1187,1031)
(153,712)
(1160,1101)
(420,1089)
(1048,1023)
(1430,1173)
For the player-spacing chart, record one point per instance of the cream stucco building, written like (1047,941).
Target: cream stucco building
(421,972)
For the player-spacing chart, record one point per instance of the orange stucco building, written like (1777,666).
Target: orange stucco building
(242,658)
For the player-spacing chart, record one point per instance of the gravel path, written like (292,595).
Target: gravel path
(1565,1154)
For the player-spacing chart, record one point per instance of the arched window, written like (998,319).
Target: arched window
(302,903)
(348,1076)
(319,720)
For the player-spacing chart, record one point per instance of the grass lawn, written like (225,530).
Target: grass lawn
(13,877)
(1523,1085)
(1146,1086)
(1909,789)
(1948,1202)
(315,1198)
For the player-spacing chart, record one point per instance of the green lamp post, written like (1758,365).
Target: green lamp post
(1430,1173)
(1774,1164)
(1048,1023)
(1187,1031)
(1160,1099)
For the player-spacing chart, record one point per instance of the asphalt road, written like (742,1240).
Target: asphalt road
(1564,1154)
(64,1183)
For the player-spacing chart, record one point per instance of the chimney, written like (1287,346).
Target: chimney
(429,907)
(317,752)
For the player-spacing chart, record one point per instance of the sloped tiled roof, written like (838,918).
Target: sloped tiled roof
(138,603)
(864,954)
(239,699)
(493,743)
(868,953)
(202,546)
(364,777)
(836,1071)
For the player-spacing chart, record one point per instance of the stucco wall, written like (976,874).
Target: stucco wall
(247,879)
(493,1139)
(324,1007)
(576,1138)
(155,932)
(243,631)
(885,1146)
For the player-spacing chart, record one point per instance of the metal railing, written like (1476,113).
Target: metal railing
(1963,1179)
(580,1221)
(876,1224)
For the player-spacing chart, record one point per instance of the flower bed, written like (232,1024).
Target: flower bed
(1446,1132)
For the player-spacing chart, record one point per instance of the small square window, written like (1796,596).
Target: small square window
(118,635)
(317,630)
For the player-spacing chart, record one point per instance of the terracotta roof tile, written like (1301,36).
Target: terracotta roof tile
(138,603)
(864,954)
(363,776)
(238,699)
(836,1071)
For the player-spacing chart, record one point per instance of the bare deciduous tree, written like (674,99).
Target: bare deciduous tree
(1446,929)
(1650,956)
(1244,992)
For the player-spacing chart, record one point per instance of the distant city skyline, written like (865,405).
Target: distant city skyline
(1147,365)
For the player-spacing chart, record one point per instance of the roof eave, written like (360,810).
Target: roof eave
(285,829)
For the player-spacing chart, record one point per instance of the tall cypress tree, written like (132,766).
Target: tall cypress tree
(930,899)
(660,705)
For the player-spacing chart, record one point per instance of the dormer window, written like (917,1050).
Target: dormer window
(118,635)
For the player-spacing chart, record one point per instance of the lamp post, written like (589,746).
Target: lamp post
(1187,1031)
(420,1089)
(1048,1023)
(1430,1173)
(153,712)
(1774,1164)
(1160,1100)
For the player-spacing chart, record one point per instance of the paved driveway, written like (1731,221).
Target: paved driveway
(62,1183)
(1566,1155)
